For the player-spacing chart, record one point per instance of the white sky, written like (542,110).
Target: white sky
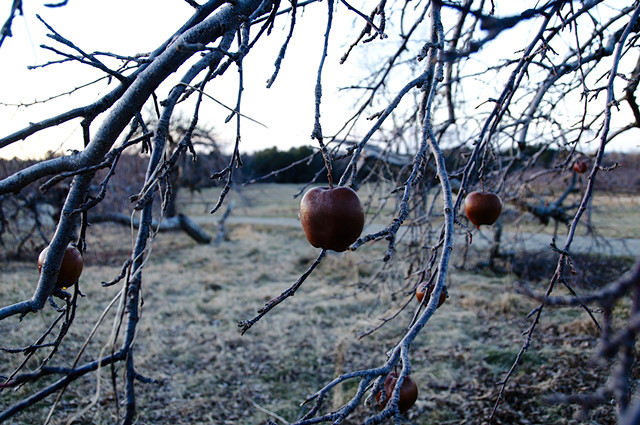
(130,27)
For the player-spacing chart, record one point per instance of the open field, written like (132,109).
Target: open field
(205,372)
(614,215)
(615,218)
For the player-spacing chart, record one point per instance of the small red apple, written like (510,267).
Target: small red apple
(427,287)
(70,269)
(482,207)
(580,167)
(331,217)
(408,392)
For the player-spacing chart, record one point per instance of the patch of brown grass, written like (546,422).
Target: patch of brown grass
(206,372)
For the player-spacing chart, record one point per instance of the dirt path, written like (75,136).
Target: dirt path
(531,242)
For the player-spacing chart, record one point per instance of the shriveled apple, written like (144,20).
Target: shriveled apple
(331,217)
(425,289)
(70,269)
(408,392)
(580,167)
(482,207)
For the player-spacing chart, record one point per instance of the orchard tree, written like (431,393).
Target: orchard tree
(462,96)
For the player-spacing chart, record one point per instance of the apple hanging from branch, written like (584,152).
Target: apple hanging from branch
(331,217)
(70,269)
(482,207)
(408,392)
(425,289)
(580,167)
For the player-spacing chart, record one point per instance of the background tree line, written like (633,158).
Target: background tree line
(302,164)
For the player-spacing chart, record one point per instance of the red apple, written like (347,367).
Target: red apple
(427,287)
(408,392)
(580,167)
(482,207)
(70,269)
(331,217)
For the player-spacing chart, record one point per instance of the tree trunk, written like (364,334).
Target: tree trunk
(178,222)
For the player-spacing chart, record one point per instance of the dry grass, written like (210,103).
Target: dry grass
(276,200)
(206,372)
(613,215)
(617,216)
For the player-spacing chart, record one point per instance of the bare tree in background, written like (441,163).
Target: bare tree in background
(437,87)
(183,172)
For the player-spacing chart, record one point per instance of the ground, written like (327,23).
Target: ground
(205,372)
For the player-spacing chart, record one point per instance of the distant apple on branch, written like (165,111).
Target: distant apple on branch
(425,289)
(580,167)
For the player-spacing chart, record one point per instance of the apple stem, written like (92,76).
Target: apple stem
(327,161)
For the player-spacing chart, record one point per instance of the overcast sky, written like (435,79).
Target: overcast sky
(131,27)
